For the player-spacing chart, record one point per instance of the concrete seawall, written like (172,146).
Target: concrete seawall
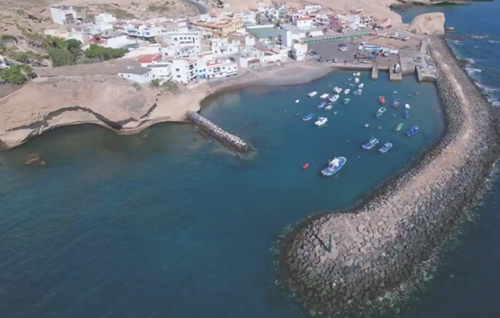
(381,244)
(227,139)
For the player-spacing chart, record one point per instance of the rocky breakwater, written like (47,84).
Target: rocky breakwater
(218,133)
(382,243)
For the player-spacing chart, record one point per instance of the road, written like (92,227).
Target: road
(202,7)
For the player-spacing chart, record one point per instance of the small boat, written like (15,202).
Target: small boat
(395,104)
(379,127)
(312,94)
(407,106)
(324,96)
(355,93)
(335,89)
(387,146)
(328,107)
(334,166)
(399,127)
(305,166)
(351,84)
(395,92)
(380,112)
(412,131)
(356,80)
(334,98)
(346,92)
(297,114)
(335,112)
(367,125)
(356,74)
(370,144)
(308,117)
(408,95)
(349,79)
(407,114)
(361,85)
(321,121)
(381,100)
(416,93)
(360,91)
(297,101)
(347,100)
(394,115)
(323,104)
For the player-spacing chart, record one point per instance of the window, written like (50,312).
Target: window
(178,76)
(177,70)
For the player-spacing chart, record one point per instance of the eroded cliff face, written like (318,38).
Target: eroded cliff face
(48,103)
(429,23)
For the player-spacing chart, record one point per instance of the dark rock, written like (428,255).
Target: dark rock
(34,159)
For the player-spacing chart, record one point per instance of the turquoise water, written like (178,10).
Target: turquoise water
(174,225)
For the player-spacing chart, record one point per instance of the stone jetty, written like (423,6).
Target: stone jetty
(227,139)
(380,244)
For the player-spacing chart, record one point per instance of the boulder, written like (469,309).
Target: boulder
(34,159)
(429,23)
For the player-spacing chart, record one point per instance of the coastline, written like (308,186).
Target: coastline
(380,243)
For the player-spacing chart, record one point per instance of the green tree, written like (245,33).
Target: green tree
(27,69)
(60,57)
(104,53)
(155,82)
(13,75)
(74,46)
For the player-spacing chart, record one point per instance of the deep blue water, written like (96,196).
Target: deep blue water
(176,226)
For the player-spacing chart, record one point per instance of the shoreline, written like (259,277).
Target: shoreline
(383,240)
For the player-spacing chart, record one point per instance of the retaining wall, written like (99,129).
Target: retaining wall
(383,242)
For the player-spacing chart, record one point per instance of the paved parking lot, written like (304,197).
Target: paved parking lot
(330,50)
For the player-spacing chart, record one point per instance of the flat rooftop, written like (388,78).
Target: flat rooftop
(264,32)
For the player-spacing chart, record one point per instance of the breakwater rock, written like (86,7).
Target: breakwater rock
(218,133)
(381,244)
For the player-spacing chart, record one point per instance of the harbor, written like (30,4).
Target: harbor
(225,138)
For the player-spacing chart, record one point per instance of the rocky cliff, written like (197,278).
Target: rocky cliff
(48,103)
(429,23)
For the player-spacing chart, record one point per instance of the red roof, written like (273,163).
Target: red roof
(304,19)
(148,58)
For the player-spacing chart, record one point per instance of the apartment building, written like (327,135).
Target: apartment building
(185,70)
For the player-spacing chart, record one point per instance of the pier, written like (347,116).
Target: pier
(225,138)
(375,72)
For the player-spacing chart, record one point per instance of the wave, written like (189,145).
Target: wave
(493,41)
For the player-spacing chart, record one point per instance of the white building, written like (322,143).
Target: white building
(161,71)
(143,30)
(299,51)
(354,21)
(183,38)
(184,70)
(223,46)
(286,38)
(63,14)
(304,23)
(220,69)
(118,42)
(312,8)
(104,18)
(141,75)
(175,51)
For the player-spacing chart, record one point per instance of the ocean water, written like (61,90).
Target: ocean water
(174,225)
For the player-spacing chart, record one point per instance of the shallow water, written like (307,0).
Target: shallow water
(174,225)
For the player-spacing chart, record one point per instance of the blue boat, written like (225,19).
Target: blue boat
(308,117)
(334,166)
(370,144)
(323,104)
(412,131)
(407,114)
(395,104)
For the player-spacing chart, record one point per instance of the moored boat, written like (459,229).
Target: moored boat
(381,100)
(412,131)
(323,96)
(305,166)
(346,92)
(334,166)
(395,104)
(328,107)
(360,91)
(387,146)
(308,117)
(356,80)
(297,101)
(399,127)
(347,100)
(323,104)
(356,74)
(321,121)
(407,106)
(361,85)
(407,114)
(370,144)
(312,94)
(334,98)
(380,112)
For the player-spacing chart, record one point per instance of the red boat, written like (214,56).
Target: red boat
(305,166)
(381,100)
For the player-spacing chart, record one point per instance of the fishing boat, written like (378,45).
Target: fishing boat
(387,146)
(328,107)
(381,100)
(334,98)
(323,96)
(399,127)
(370,144)
(356,80)
(308,117)
(407,114)
(412,131)
(407,106)
(312,94)
(334,166)
(361,85)
(380,112)
(321,121)
(395,104)
(323,104)
(305,166)
(347,100)
(346,92)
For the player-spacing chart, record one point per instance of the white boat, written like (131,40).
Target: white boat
(346,92)
(297,101)
(334,98)
(330,106)
(356,74)
(356,80)
(338,90)
(321,121)
(407,106)
(361,85)
(325,95)
(312,94)
(360,91)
